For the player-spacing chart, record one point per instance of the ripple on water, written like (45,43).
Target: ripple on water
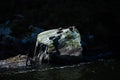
(99,70)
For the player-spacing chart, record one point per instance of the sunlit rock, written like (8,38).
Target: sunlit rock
(59,42)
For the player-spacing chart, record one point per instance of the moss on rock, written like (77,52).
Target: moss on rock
(69,40)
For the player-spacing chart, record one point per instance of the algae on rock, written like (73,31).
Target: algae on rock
(65,42)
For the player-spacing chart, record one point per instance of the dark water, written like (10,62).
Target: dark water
(99,70)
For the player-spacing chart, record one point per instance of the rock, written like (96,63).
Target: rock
(60,42)
(14,62)
(54,46)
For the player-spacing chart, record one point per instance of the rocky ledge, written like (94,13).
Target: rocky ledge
(55,44)
(52,46)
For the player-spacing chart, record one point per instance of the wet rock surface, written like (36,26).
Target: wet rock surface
(62,43)
(58,48)
(18,61)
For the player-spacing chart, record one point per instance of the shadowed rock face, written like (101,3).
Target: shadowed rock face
(60,42)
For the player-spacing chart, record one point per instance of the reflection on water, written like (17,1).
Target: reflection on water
(105,70)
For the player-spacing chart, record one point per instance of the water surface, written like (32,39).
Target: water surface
(99,70)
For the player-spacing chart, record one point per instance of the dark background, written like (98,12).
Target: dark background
(97,21)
